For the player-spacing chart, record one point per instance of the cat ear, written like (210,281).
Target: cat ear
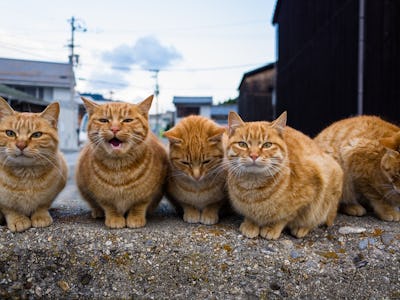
(89,105)
(5,108)
(51,113)
(234,121)
(280,123)
(217,135)
(145,105)
(171,136)
(391,143)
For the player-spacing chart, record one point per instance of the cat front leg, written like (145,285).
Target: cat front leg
(137,215)
(114,219)
(16,222)
(249,228)
(190,214)
(41,217)
(349,204)
(209,215)
(272,231)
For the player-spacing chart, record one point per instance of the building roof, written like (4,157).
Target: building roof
(192,100)
(35,73)
(276,12)
(223,109)
(270,66)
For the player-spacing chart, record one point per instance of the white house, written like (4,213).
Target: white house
(31,85)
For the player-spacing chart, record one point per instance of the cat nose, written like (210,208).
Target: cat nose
(254,156)
(196,173)
(21,145)
(114,129)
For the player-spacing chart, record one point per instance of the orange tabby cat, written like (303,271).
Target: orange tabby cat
(368,149)
(278,177)
(121,171)
(32,170)
(196,181)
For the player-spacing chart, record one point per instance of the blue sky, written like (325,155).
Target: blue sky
(202,48)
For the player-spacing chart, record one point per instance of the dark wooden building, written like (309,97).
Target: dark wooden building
(256,102)
(337,58)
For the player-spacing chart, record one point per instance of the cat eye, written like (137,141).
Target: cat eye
(37,134)
(185,163)
(206,161)
(103,120)
(242,144)
(10,133)
(267,145)
(127,120)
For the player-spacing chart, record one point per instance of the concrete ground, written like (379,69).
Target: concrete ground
(78,257)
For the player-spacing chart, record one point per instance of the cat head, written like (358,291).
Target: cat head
(196,147)
(117,127)
(256,147)
(28,139)
(390,162)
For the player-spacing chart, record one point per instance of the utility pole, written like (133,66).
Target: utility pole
(76,25)
(156,93)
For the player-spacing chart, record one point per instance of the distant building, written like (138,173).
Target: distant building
(219,113)
(31,85)
(186,106)
(165,121)
(256,94)
(337,59)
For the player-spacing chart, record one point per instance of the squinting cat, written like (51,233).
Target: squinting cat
(121,170)
(32,169)
(368,149)
(278,177)
(196,181)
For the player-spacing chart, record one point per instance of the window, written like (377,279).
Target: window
(187,111)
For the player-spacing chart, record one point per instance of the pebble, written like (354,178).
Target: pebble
(63,285)
(294,254)
(350,229)
(387,238)
(363,244)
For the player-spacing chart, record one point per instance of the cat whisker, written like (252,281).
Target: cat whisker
(44,157)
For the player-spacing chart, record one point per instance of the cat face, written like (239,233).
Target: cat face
(117,127)
(196,150)
(390,162)
(256,147)
(27,139)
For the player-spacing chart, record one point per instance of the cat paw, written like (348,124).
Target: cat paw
(300,232)
(19,223)
(115,222)
(135,221)
(270,233)
(353,210)
(209,218)
(249,230)
(390,216)
(41,220)
(191,216)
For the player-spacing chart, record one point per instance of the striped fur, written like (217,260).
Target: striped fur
(121,171)
(196,182)
(32,170)
(368,149)
(278,177)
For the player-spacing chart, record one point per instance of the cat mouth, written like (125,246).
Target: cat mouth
(115,143)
